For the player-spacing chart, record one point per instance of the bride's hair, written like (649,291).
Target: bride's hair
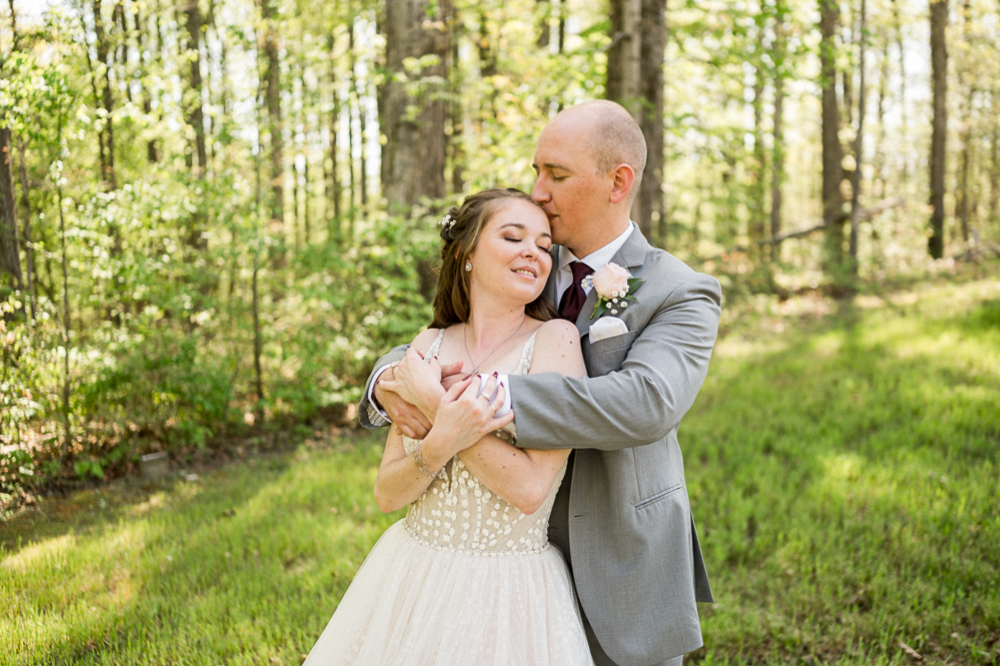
(460,232)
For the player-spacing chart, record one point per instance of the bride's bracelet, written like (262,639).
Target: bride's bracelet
(418,459)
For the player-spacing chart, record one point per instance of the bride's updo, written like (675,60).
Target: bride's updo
(460,231)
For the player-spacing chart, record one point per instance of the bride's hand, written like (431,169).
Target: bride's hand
(465,414)
(413,378)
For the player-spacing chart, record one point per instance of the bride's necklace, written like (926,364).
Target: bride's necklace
(475,370)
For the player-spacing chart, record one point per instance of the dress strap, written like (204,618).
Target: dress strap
(435,346)
(527,352)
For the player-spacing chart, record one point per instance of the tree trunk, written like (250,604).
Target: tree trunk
(456,142)
(635,80)
(195,112)
(362,121)
(10,249)
(962,205)
(758,189)
(995,163)
(832,171)
(897,22)
(334,195)
(414,155)
(147,102)
(108,100)
(273,101)
(779,53)
(648,206)
(29,251)
(858,144)
(883,82)
(939,74)
(544,30)
(97,99)
(625,55)
(563,15)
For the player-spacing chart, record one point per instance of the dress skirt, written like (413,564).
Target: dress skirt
(416,604)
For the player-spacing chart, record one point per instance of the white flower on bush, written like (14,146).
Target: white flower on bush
(614,286)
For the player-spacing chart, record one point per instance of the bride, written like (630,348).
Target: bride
(468,576)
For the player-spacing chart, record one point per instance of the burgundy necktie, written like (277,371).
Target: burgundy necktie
(573,298)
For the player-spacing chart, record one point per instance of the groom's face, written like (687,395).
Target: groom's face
(568,186)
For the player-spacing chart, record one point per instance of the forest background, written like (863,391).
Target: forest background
(216,214)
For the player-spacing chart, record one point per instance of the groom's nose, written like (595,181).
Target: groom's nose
(539,193)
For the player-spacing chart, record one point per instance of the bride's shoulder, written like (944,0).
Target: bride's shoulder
(557,333)
(557,349)
(425,339)
(558,327)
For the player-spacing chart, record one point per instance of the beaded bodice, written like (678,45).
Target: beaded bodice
(458,513)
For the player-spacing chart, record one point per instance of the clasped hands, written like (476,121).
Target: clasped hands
(418,395)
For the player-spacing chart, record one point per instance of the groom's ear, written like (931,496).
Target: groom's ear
(622,177)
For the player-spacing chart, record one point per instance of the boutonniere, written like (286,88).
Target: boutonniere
(615,289)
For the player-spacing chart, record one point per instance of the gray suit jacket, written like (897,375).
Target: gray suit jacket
(629,534)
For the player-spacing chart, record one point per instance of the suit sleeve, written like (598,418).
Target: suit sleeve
(367,413)
(643,401)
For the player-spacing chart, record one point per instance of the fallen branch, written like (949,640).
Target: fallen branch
(863,215)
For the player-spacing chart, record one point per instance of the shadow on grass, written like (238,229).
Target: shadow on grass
(846,489)
(245,566)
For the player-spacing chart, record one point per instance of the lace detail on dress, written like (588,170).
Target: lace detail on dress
(457,513)
(435,346)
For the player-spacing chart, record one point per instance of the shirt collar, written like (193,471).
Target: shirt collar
(598,258)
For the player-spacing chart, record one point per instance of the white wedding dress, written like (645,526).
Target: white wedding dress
(465,579)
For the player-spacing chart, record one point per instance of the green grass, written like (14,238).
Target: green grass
(843,472)
(243,566)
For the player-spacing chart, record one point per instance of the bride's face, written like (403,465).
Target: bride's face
(512,257)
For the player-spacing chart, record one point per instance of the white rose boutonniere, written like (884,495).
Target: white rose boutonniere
(615,288)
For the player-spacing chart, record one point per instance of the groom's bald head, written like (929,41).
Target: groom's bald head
(612,136)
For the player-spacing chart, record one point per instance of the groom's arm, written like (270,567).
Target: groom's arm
(639,404)
(368,413)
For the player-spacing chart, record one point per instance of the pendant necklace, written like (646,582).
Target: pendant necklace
(475,370)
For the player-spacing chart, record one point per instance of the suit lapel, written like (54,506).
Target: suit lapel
(631,255)
(549,291)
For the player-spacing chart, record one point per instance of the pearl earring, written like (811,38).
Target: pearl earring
(468,266)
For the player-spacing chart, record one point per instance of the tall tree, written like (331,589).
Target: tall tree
(829,12)
(962,205)
(544,29)
(195,112)
(939,79)
(859,142)
(648,205)
(105,65)
(758,169)
(635,80)
(272,96)
(359,103)
(779,54)
(413,155)
(334,192)
(995,161)
(10,249)
(145,57)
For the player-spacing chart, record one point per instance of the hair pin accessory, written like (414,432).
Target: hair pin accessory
(447,222)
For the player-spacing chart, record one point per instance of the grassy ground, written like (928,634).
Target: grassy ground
(842,461)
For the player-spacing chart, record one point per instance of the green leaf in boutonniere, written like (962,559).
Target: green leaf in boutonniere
(617,304)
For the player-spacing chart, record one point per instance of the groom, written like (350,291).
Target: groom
(622,516)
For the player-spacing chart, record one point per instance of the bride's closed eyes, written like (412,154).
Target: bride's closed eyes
(542,248)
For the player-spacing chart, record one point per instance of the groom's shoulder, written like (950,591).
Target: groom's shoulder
(670,273)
